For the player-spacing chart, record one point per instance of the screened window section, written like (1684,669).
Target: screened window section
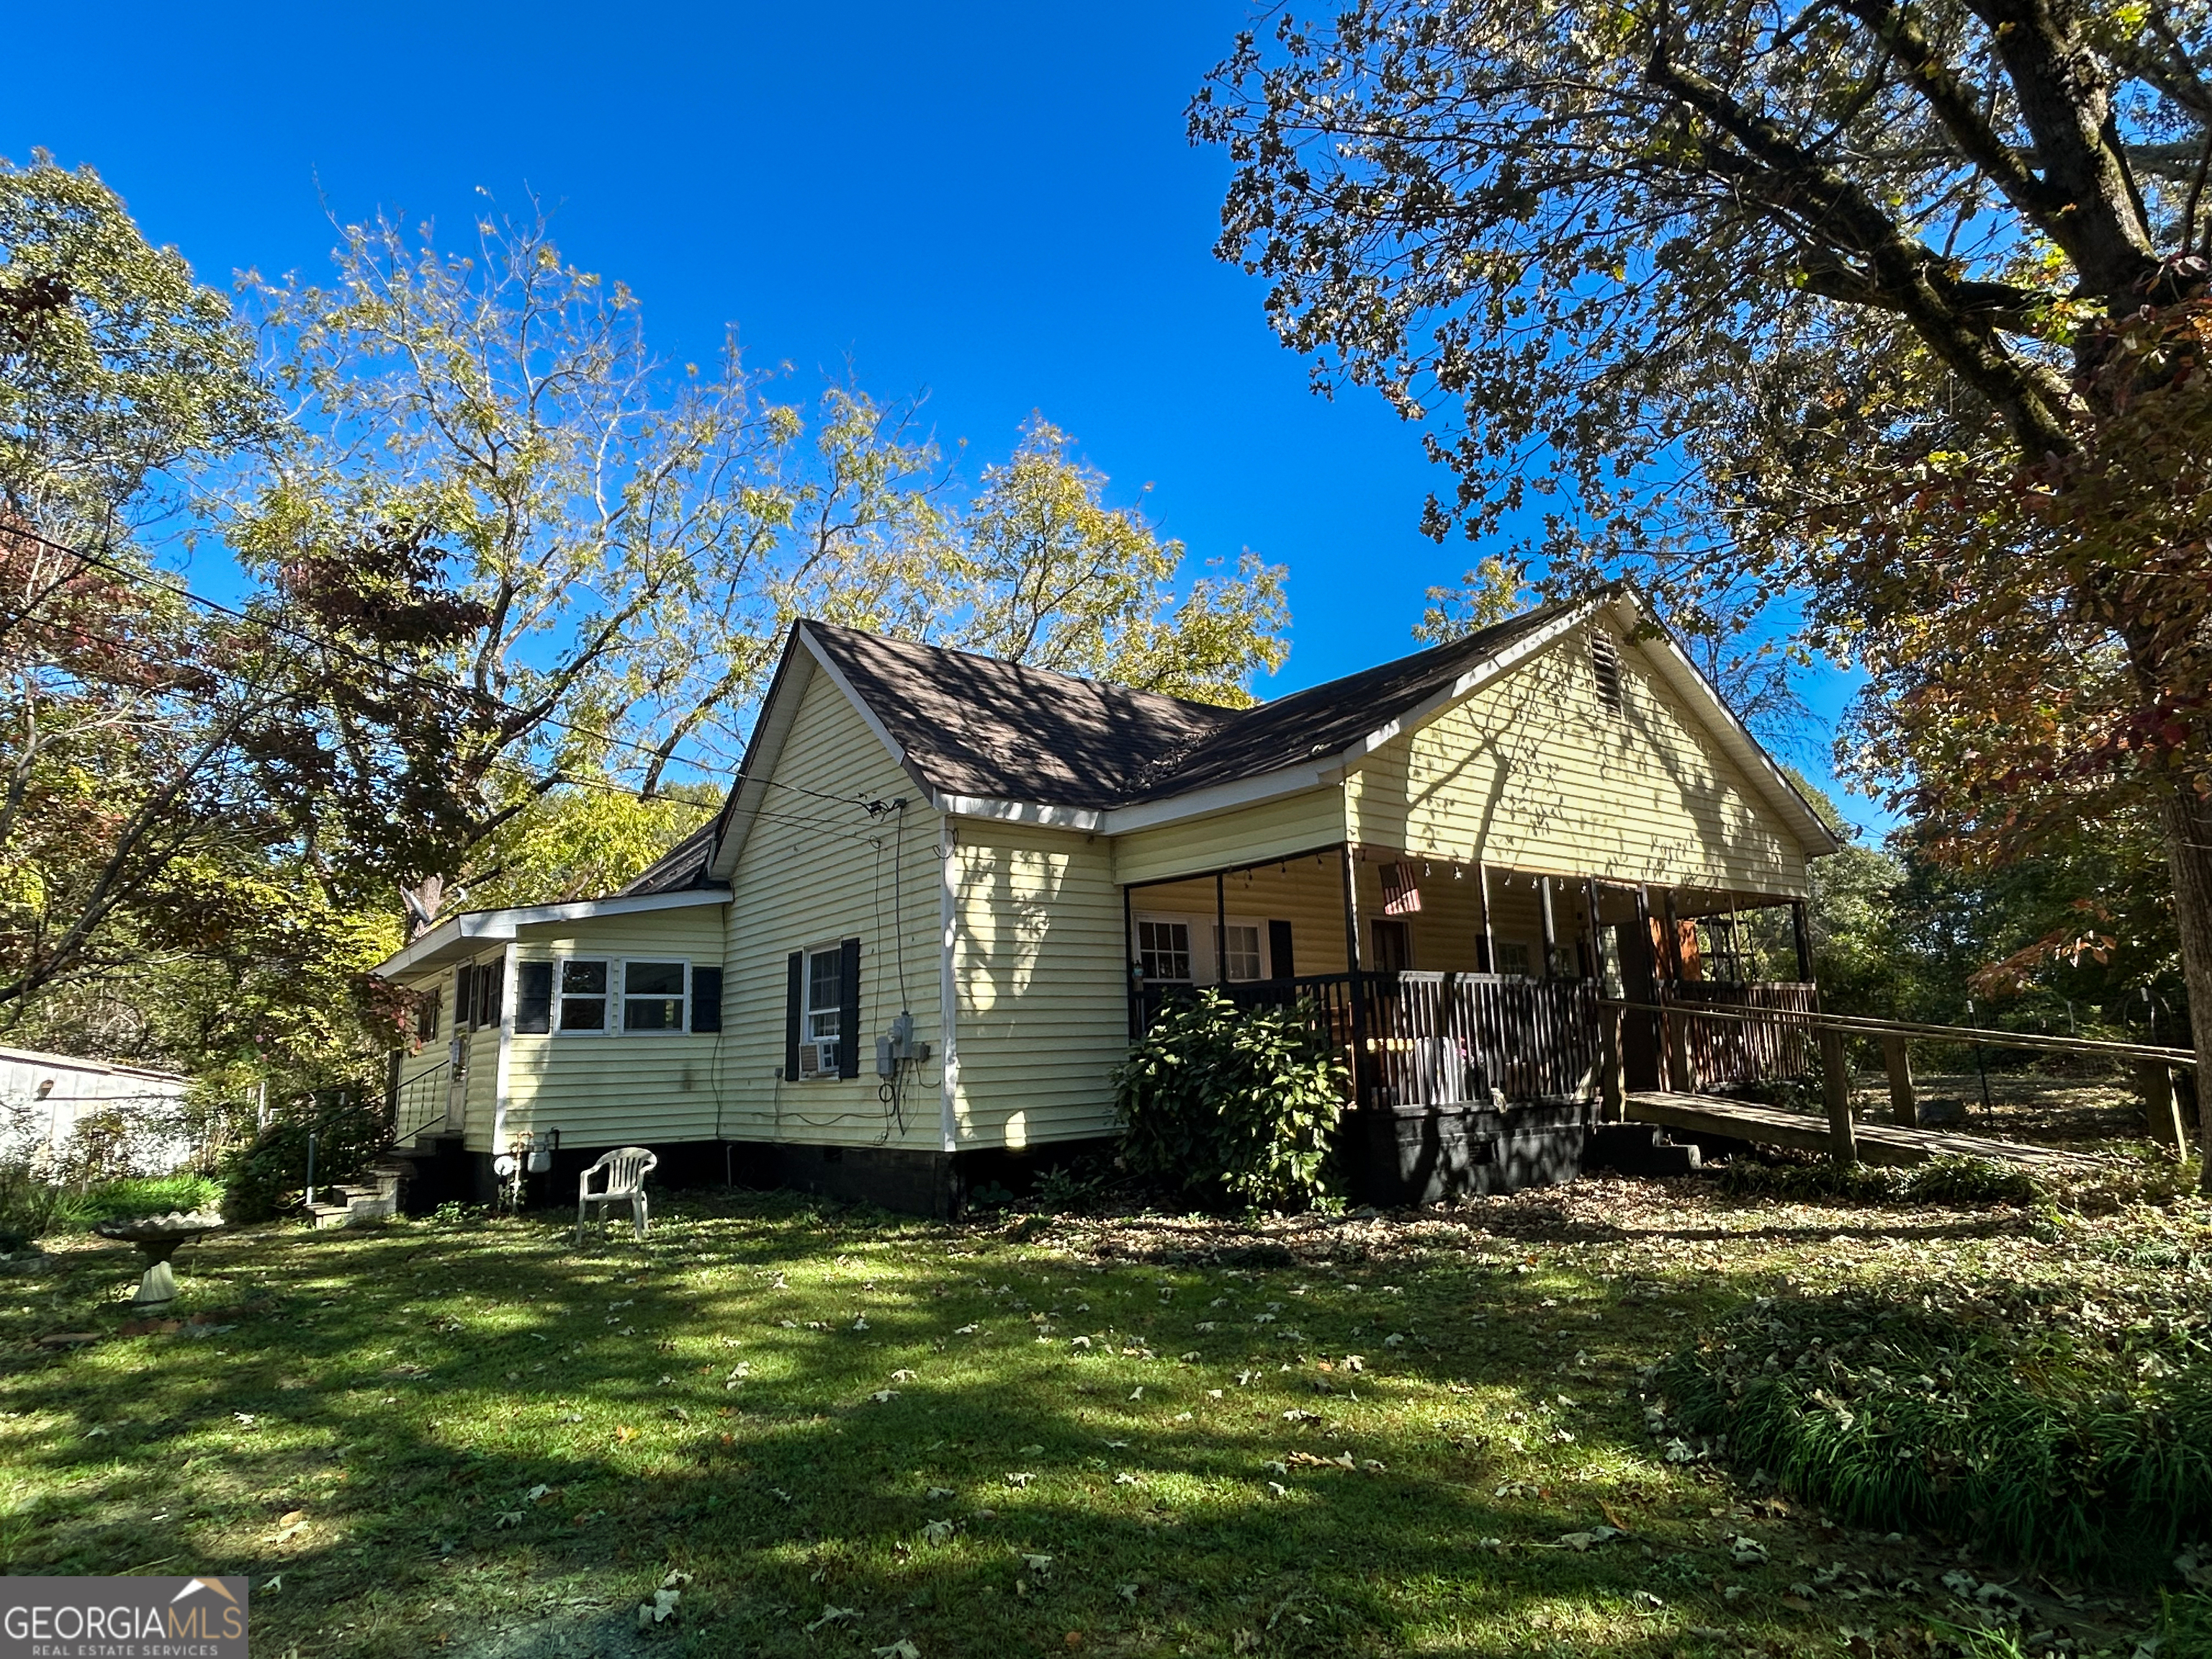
(583,996)
(1163,950)
(653,996)
(1240,952)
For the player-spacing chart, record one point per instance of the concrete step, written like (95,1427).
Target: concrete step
(1637,1149)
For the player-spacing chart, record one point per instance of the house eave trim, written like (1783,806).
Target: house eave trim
(498,926)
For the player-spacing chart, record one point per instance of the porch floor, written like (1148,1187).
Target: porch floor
(1887,1144)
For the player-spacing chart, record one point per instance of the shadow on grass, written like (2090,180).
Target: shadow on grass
(465,1427)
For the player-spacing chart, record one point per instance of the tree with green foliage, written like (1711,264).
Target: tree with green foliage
(1900,307)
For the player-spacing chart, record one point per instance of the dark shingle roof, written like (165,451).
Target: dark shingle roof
(974,726)
(1325,718)
(682,867)
(977,726)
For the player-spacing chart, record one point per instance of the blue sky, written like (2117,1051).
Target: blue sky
(993,204)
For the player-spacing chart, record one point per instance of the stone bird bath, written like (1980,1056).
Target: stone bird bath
(158,1237)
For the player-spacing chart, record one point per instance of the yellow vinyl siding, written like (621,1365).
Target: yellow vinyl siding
(621,1088)
(1269,830)
(1532,772)
(813,872)
(1044,1009)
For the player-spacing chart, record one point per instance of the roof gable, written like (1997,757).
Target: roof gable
(979,733)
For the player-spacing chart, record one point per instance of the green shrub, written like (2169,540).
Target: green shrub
(264,1179)
(1229,1104)
(2054,1427)
(137,1195)
(1964,1182)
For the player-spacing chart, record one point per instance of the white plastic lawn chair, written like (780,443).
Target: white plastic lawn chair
(627,1169)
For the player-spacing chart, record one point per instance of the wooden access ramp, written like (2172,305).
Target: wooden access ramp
(1888,1143)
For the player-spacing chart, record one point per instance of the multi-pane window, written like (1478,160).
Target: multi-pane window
(1163,950)
(1512,959)
(653,996)
(583,996)
(1240,951)
(822,1023)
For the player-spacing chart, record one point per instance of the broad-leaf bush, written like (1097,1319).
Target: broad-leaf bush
(1231,1104)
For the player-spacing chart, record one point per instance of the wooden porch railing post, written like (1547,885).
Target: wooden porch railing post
(1679,1077)
(1612,1065)
(1897,1060)
(1836,1094)
(2154,1079)
(1362,1069)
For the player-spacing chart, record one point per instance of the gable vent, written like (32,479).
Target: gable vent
(1605,663)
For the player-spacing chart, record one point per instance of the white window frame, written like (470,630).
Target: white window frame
(808,1041)
(682,1026)
(1528,954)
(609,996)
(1205,949)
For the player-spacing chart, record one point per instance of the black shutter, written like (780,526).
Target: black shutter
(1279,950)
(706,999)
(794,1001)
(464,1002)
(849,1014)
(494,991)
(533,997)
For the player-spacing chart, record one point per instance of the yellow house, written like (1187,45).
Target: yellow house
(946,890)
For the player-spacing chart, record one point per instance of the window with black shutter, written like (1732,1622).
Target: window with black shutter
(706,999)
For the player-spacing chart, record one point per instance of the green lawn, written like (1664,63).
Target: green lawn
(1379,1436)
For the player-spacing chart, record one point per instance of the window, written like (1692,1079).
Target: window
(822,1023)
(1394,946)
(583,996)
(1605,664)
(653,996)
(1163,950)
(426,1016)
(1512,959)
(1240,952)
(533,997)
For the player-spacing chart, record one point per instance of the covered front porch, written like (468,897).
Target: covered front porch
(1457,989)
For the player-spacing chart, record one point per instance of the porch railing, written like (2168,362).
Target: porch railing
(1438,1039)
(1717,1053)
(419,1101)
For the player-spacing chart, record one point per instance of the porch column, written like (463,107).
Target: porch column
(1489,943)
(1670,959)
(1550,929)
(1597,930)
(1220,930)
(1132,969)
(1360,1066)
(1804,938)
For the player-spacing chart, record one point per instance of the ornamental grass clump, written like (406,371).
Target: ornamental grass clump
(2066,1430)
(1229,1104)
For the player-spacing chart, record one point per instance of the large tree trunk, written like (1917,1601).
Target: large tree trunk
(2188,819)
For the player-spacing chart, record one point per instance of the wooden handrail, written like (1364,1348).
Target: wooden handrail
(1913,1028)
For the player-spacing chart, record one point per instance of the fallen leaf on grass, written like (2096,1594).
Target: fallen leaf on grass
(1019,1480)
(1039,1565)
(902,1375)
(900,1648)
(507,1518)
(937,1532)
(884,1396)
(831,1615)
